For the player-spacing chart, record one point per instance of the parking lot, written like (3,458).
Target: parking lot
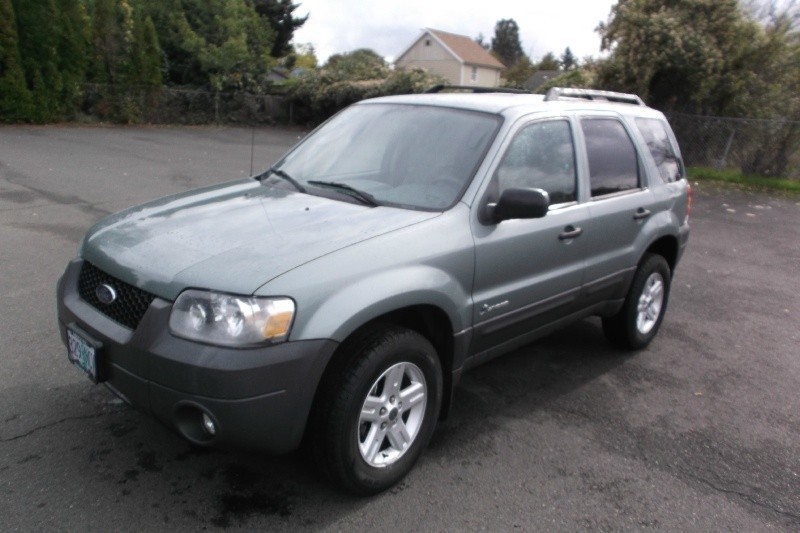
(698,432)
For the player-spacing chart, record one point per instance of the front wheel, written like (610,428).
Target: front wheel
(381,412)
(637,323)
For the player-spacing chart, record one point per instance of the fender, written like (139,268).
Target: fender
(355,304)
(428,263)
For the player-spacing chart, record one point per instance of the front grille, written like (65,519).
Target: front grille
(130,304)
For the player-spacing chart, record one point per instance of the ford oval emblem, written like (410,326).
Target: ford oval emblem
(105,293)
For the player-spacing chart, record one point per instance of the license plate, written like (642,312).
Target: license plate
(82,353)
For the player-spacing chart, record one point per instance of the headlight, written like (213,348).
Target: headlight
(230,320)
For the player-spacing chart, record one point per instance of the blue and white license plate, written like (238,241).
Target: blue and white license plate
(82,353)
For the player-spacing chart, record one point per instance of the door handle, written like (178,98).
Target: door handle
(641,214)
(570,232)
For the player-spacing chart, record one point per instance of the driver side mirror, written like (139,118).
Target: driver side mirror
(518,203)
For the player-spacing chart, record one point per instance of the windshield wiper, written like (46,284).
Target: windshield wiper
(281,174)
(363,196)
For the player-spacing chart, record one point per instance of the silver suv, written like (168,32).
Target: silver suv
(337,298)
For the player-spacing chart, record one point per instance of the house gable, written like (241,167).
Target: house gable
(432,44)
(456,58)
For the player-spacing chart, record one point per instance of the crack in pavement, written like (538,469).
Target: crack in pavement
(51,424)
(749,496)
(638,447)
(19,179)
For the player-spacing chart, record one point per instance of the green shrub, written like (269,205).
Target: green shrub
(320,94)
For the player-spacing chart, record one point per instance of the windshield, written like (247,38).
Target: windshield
(419,157)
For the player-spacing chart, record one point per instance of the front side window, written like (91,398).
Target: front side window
(613,164)
(541,156)
(664,154)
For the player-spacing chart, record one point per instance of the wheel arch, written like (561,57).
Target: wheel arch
(430,321)
(667,247)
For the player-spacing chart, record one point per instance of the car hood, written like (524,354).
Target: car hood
(233,238)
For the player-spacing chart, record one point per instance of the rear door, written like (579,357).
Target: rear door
(620,206)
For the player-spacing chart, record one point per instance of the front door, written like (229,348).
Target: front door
(528,273)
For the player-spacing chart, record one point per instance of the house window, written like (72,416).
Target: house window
(474,75)
(427,42)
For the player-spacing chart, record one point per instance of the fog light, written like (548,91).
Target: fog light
(209,425)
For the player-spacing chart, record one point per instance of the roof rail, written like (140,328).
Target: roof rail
(560,93)
(473,89)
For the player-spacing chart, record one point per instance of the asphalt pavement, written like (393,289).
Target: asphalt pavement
(698,432)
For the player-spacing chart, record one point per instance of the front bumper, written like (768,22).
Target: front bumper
(258,398)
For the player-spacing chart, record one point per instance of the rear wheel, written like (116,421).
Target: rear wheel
(637,323)
(378,414)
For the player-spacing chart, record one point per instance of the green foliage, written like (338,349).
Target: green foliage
(709,57)
(548,62)
(681,55)
(568,60)
(516,75)
(279,14)
(505,43)
(481,40)
(748,180)
(148,56)
(128,49)
(321,93)
(303,56)
(210,44)
(38,45)
(362,64)
(16,103)
(53,40)
(584,78)
(127,59)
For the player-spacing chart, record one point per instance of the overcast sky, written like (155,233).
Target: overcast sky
(389,26)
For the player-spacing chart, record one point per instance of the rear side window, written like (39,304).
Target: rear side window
(654,131)
(613,165)
(541,156)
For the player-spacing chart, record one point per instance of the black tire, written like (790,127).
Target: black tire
(341,444)
(637,323)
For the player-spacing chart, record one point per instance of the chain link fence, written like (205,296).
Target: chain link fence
(752,146)
(163,105)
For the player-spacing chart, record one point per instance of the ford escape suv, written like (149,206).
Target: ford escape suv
(336,298)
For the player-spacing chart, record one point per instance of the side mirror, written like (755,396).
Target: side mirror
(519,203)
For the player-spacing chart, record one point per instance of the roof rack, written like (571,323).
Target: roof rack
(560,93)
(472,89)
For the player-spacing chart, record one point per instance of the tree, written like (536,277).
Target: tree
(107,42)
(505,43)
(234,51)
(678,55)
(361,64)
(568,60)
(481,40)
(516,75)
(53,44)
(16,103)
(210,44)
(548,62)
(319,94)
(280,17)
(148,53)
(303,56)
(710,58)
